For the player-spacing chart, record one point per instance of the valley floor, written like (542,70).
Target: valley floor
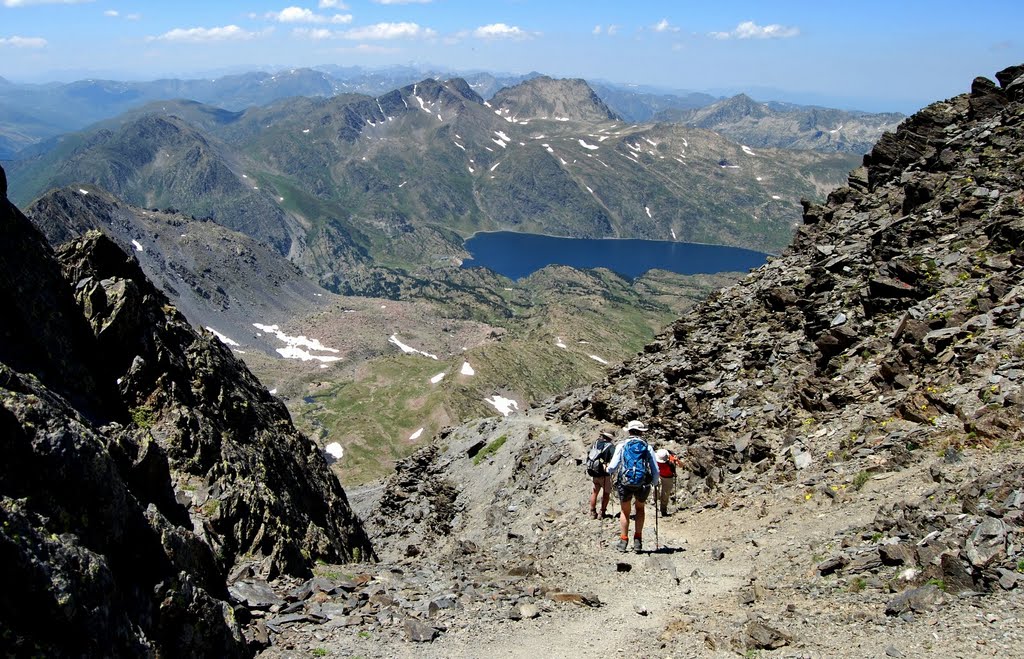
(724,575)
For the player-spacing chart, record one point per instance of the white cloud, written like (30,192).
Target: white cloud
(751,30)
(597,29)
(381,31)
(26,3)
(113,13)
(23,42)
(300,15)
(613,30)
(332,4)
(369,49)
(501,31)
(403,2)
(226,33)
(314,33)
(664,26)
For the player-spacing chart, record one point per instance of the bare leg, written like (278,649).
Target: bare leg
(593,496)
(624,518)
(639,531)
(606,496)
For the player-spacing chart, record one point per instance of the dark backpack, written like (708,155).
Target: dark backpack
(635,470)
(598,459)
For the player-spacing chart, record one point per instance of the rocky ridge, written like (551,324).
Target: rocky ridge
(850,418)
(144,463)
(216,277)
(787,126)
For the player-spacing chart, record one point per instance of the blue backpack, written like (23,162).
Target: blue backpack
(635,470)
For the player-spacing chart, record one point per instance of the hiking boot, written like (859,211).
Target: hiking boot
(621,545)
(593,514)
(638,545)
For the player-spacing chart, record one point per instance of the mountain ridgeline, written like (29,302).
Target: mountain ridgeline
(785,125)
(348,183)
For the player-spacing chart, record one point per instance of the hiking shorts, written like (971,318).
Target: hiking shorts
(627,492)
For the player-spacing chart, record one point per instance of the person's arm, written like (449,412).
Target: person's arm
(616,458)
(653,461)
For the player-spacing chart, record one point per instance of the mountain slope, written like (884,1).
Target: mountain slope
(787,126)
(548,98)
(159,161)
(216,277)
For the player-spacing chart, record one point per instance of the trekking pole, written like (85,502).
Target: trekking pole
(657,505)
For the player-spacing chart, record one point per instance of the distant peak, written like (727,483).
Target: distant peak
(546,97)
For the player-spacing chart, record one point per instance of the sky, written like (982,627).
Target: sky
(895,55)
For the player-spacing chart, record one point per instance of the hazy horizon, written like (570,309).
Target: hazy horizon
(874,57)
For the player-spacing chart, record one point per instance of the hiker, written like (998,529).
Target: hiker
(636,470)
(667,462)
(597,468)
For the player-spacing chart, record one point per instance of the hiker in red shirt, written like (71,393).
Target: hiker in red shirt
(667,462)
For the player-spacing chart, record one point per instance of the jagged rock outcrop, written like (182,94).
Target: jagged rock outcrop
(142,461)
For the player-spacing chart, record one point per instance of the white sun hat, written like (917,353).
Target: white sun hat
(635,425)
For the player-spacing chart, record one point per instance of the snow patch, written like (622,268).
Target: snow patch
(137,245)
(747,150)
(298,347)
(83,191)
(648,209)
(502,404)
(673,234)
(334,450)
(502,136)
(560,343)
(500,143)
(304,130)
(223,339)
(437,378)
(495,166)
(598,359)
(416,435)
(407,349)
(592,147)
(459,145)
(776,197)
(467,369)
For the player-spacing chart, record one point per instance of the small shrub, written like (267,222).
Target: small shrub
(319,652)
(857,585)
(142,416)
(490,449)
(938,583)
(860,479)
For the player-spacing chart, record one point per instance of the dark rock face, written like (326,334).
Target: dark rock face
(97,519)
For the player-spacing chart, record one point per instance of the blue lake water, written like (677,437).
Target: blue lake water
(517,255)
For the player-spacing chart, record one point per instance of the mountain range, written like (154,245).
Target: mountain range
(399,180)
(30,113)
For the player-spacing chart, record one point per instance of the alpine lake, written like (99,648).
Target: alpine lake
(517,255)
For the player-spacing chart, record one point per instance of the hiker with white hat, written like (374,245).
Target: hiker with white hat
(636,471)
(667,471)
